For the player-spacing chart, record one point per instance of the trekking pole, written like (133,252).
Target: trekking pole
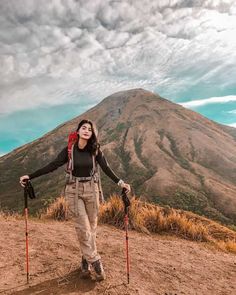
(28,191)
(26,230)
(126,202)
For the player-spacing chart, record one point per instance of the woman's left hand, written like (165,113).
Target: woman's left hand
(126,186)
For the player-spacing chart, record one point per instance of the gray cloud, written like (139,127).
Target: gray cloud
(55,51)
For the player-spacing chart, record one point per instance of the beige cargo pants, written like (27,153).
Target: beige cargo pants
(83,206)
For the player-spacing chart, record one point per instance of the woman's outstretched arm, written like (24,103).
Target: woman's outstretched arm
(109,172)
(61,159)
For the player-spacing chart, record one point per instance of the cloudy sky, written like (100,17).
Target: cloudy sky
(59,58)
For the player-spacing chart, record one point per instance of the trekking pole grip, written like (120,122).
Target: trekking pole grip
(26,194)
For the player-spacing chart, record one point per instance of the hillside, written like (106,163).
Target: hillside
(170,155)
(160,264)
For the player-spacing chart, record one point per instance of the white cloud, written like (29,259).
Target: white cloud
(52,52)
(211,100)
(232,125)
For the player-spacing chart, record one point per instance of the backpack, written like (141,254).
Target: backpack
(72,140)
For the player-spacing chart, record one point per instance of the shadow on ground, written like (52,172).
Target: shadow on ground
(72,282)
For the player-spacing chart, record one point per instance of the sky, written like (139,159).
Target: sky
(59,58)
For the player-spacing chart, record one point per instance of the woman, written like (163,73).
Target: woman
(82,191)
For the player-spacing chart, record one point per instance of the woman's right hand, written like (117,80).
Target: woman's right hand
(126,186)
(23,180)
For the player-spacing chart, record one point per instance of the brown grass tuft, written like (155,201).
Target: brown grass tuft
(58,210)
(229,246)
(149,218)
(10,215)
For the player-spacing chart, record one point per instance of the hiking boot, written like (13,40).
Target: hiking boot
(99,271)
(85,268)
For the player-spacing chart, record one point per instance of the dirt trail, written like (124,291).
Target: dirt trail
(159,264)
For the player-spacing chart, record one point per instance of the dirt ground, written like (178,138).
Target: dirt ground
(159,264)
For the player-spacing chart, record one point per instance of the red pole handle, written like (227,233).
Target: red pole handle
(27,244)
(127,246)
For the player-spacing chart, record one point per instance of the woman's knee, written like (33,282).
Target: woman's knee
(83,234)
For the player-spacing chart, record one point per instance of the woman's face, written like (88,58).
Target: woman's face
(85,131)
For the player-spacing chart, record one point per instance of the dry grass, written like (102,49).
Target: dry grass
(10,215)
(148,218)
(229,246)
(58,210)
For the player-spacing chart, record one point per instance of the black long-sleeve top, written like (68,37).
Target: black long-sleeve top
(83,164)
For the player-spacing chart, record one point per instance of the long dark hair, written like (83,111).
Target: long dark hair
(93,143)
